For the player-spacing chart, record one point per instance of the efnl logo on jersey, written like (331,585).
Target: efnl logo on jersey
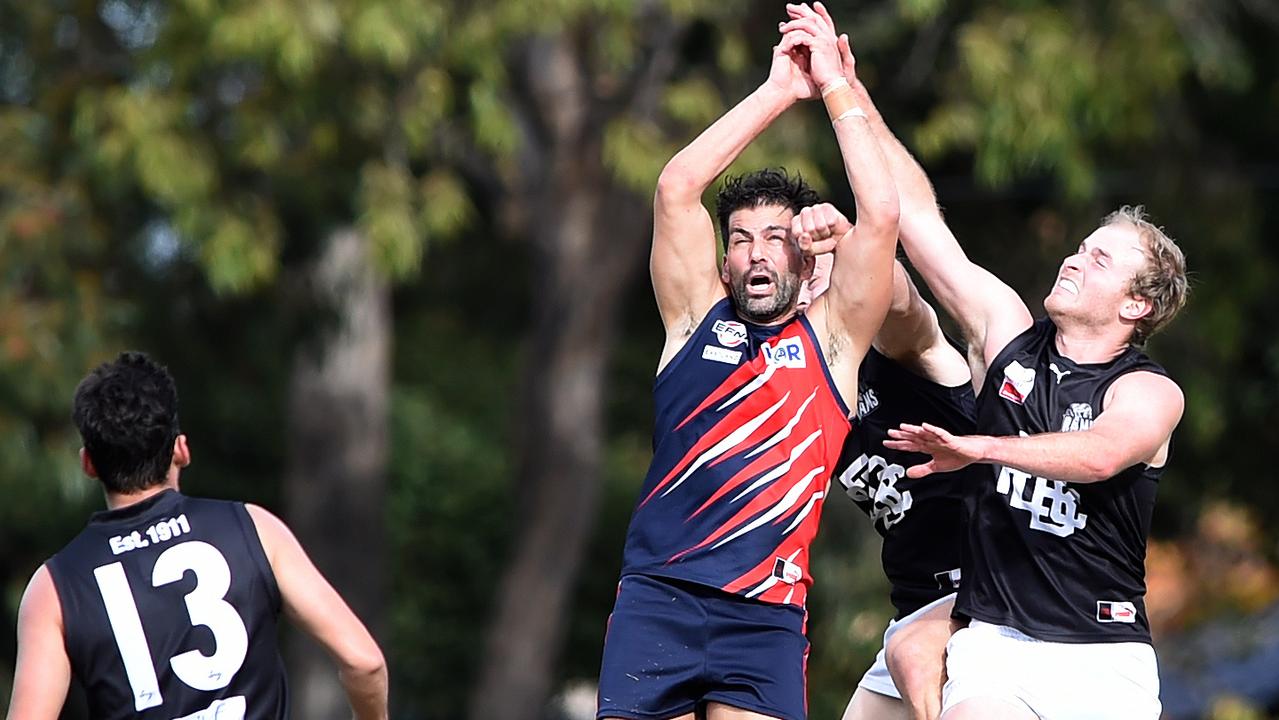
(1018,382)
(1113,611)
(788,353)
(731,333)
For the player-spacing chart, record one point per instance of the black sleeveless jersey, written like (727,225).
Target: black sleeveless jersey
(921,520)
(169,611)
(1062,562)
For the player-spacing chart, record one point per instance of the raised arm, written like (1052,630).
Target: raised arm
(312,603)
(1141,411)
(686,277)
(989,312)
(847,316)
(913,338)
(42,673)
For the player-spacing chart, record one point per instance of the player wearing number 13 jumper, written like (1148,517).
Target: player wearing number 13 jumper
(165,606)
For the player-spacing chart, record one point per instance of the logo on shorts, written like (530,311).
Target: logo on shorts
(719,354)
(730,332)
(788,353)
(1114,611)
(1018,382)
(787,571)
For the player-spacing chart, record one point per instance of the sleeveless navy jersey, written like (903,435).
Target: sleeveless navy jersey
(921,520)
(1062,562)
(747,431)
(169,611)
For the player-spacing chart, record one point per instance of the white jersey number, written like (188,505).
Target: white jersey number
(206,605)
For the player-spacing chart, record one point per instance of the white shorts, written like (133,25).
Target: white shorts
(877,678)
(1056,681)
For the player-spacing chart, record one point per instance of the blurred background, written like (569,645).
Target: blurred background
(394,252)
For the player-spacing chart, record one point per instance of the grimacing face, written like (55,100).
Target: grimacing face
(763,266)
(1093,285)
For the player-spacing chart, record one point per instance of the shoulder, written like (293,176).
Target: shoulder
(40,603)
(272,531)
(1147,386)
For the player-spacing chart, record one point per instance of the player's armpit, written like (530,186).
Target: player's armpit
(42,672)
(312,603)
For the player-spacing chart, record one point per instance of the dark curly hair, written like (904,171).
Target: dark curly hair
(770,186)
(127,413)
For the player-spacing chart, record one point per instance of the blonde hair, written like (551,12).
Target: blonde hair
(1163,281)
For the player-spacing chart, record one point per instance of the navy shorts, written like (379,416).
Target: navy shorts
(673,646)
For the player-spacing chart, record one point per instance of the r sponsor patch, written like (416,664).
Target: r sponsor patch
(719,354)
(1115,611)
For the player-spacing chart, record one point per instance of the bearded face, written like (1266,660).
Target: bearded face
(762,264)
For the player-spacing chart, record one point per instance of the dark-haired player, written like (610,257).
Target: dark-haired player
(165,606)
(750,412)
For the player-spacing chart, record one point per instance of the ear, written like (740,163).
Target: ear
(723,271)
(181,452)
(86,464)
(1135,307)
(809,264)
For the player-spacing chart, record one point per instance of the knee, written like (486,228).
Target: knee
(914,658)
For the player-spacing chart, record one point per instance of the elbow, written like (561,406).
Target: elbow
(884,217)
(1100,466)
(678,183)
(366,662)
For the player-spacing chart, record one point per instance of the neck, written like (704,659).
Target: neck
(1089,345)
(115,501)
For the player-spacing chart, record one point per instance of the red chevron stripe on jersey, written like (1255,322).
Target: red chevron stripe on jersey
(742,460)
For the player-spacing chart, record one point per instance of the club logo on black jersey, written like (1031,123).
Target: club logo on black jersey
(731,333)
(1053,506)
(1077,417)
(1113,611)
(1018,382)
(872,480)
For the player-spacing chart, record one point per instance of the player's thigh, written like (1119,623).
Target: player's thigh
(685,716)
(721,711)
(870,705)
(918,649)
(989,708)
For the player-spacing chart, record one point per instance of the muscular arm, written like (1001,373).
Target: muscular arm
(312,603)
(42,673)
(913,338)
(989,311)
(1142,409)
(847,316)
(685,274)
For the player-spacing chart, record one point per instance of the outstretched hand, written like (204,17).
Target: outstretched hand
(811,32)
(949,452)
(789,73)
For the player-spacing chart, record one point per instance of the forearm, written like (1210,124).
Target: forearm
(366,689)
(694,168)
(1077,457)
(874,191)
(913,187)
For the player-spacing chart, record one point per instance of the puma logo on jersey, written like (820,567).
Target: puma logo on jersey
(788,353)
(731,333)
(1077,417)
(1114,611)
(1058,372)
(1018,382)
(866,402)
(1053,507)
